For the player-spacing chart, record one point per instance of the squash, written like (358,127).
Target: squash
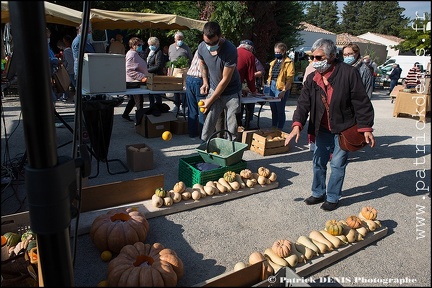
(369,224)
(250,183)
(212,184)
(305,251)
(157,201)
(333,239)
(118,228)
(186,195)
(333,227)
(225,183)
(306,241)
(229,176)
(263,171)
(353,222)
(196,194)
(292,260)
(239,265)
(210,190)
(369,213)
(220,187)
(256,257)
(362,230)
(176,196)
(200,188)
(323,248)
(300,256)
(262,180)
(274,257)
(144,265)
(160,192)
(272,177)
(351,235)
(179,187)
(282,247)
(235,185)
(245,173)
(276,267)
(240,180)
(316,235)
(168,201)
(343,239)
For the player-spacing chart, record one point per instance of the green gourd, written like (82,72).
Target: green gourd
(160,192)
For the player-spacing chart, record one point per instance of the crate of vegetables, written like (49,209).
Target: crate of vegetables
(269,142)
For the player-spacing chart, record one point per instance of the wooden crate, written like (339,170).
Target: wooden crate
(164,83)
(262,144)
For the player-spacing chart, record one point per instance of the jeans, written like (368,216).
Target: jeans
(231,105)
(326,144)
(193,96)
(393,84)
(179,98)
(278,108)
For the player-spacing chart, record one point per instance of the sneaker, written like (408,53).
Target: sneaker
(329,206)
(313,200)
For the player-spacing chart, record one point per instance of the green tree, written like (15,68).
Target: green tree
(350,14)
(417,39)
(330,18)
(313,15)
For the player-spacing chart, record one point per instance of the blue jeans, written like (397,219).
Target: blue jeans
(278,108)
(326,144)
(393,84)
(193,96)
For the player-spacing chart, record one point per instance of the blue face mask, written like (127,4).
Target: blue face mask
(139,49)
(321,66)
(152,48)
(89,37)
(349,59)
(179,43)
(212,48)
(278,56)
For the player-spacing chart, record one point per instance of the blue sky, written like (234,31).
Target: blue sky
(410,7)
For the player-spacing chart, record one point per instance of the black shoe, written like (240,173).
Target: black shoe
(313,200)
(127,117)
(328,206)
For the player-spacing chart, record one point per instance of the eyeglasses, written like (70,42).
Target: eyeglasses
(348,54)
(318,58)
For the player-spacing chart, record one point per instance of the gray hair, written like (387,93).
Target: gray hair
(327,45)
(153,41)
(247,47)
(179,34)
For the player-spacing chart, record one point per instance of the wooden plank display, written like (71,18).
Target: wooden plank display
(317,263)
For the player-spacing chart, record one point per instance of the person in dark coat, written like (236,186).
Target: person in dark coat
(340,85)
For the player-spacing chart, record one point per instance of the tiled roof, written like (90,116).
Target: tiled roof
(311,28)
(389,37)
(345,38)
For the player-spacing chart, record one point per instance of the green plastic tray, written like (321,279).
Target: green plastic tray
(221,152)
(190,175)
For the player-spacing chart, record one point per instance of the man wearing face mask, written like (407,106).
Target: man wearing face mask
(351,55)
(221,81)
(75,47)
(175,50)
(334,99)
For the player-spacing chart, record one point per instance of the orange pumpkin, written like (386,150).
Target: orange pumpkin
(282,248)
(354,222)
(145,265)
(369,213)
(117,228)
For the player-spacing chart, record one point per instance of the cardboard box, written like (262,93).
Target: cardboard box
(139,157)
(152,126)
(103,73)
(179,126)
(396,90)
(164,83)
(263,145)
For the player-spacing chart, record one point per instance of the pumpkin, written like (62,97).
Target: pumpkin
(145,265)
(160,192)
(369,213)
(117,228)
(229,176)
(245,173)
(353,222)
(262,171)
(282,248)
(333,227)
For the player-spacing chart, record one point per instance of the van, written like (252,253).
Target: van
(406,62)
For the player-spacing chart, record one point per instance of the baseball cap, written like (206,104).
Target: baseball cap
(248,42)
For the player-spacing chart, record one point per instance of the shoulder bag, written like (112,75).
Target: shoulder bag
(350,139)
(61,80)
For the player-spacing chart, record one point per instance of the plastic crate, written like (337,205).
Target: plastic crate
(222,152)
(190,175)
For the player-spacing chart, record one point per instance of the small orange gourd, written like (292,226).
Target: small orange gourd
(369,213)
(282,248)
(354,222)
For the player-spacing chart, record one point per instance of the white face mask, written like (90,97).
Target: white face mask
(321,66)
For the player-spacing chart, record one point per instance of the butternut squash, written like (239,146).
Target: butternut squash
(186,195)
(234,185)
(196,194)
(168,201)
(276,267)
(333,239)
(378,223)
(254,176)
(272,177)
(305,251)
(300,256)
(157,201)
(209,190)
(306,241)
(225,183)
(370,224)
(323,248)
(343,238)
(220,187)
(274,257)
(362,230)
(250,183)
(262,180)
(240,180)
(176,196)
(256,257)
(200,188)
(240,265)
(316,235)
(292,260)
(351,235)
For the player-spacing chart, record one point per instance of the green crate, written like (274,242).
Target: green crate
(222,152)
(190,175)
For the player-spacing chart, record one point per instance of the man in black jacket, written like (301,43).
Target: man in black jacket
(340,85)
(394,76)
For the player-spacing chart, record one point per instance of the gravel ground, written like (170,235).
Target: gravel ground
(212,239)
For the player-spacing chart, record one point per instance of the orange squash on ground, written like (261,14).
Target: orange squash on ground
(118,228)
(145,265)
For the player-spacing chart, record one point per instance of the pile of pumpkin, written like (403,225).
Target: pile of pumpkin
(18,244)
(123,231)
(231,181)
(285,253)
